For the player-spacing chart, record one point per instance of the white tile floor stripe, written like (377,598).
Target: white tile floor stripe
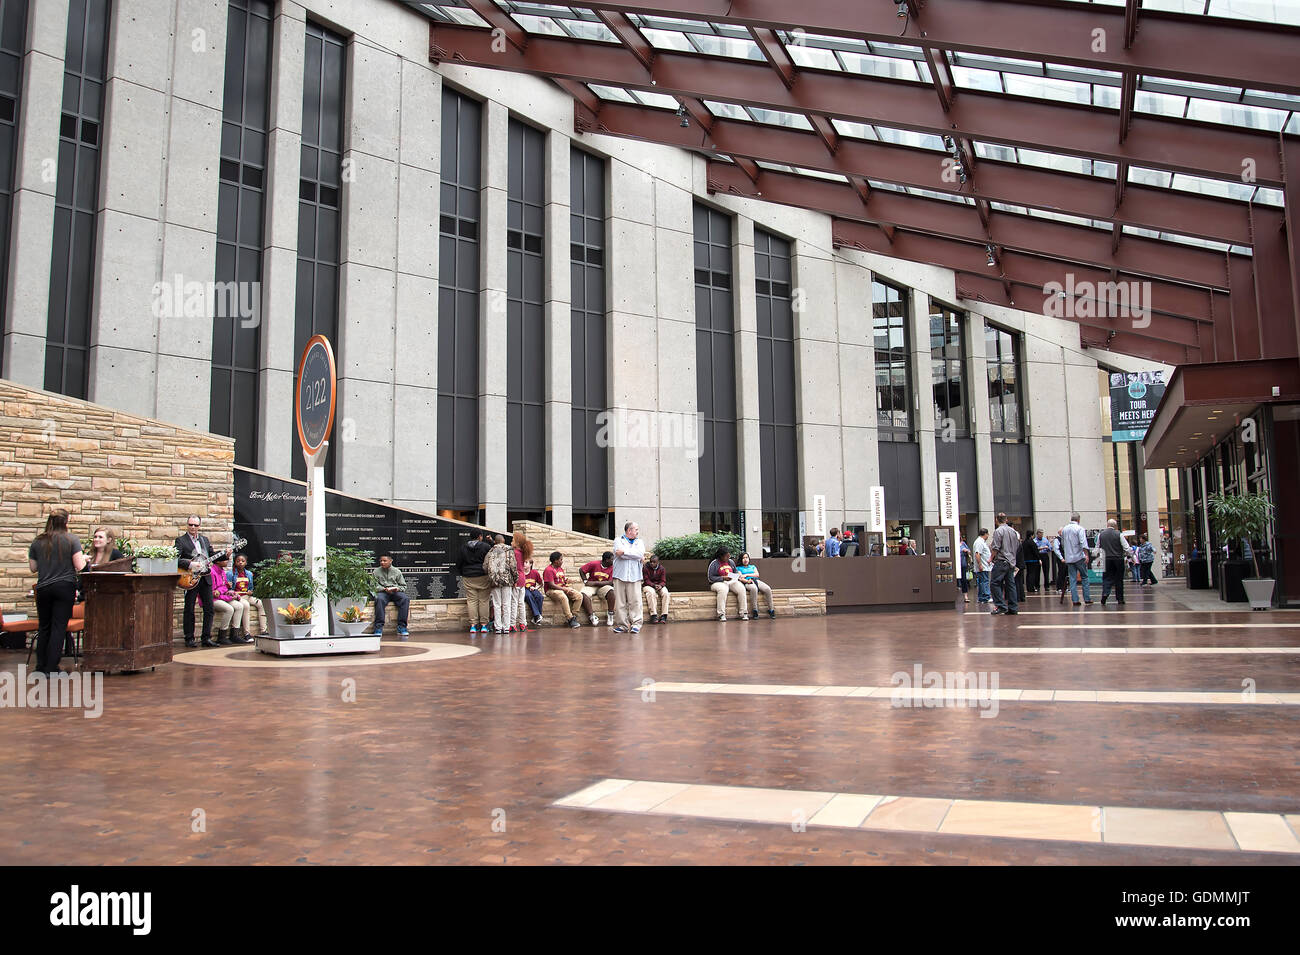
(1156,626)
(1110,613)
(801,810)
(1192,650)
(975,696)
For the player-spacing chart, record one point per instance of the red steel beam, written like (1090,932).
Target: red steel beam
(1203,49)
(770,44)
(1172,144)
(1179,301)
(1045,237)
(1274,297)
(629,36)
(1087,196)
(498,19)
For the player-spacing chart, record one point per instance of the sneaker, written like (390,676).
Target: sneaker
(473,629)
(636,629)
(772,614)
(595,620)
(722,618)
(403,632)
(995,612)
(610,621)
(573,622)
(620,629)
(537,621)
(1103,600)
(663,618)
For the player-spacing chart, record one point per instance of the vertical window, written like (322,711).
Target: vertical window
(236,341)
(72,263)
(948,361)
(13,37)
(526,324)
(715,370)
(587,330)
(1002,352)
(458,305)
(778,448)
(893,368)
(319,185)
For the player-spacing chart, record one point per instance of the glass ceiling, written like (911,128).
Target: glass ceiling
(1155,96)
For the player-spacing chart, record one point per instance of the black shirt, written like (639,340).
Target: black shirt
(471,558)
(54,563)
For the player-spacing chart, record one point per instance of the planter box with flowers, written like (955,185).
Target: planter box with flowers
(156,559)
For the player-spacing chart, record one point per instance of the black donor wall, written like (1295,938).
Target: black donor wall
(272,513)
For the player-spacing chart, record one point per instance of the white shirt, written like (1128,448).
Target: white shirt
(1074,542)
(983,554)
(628,567)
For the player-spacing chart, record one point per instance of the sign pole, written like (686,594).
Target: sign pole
(314,553)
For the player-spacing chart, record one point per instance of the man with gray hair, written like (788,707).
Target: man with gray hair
(629,554)
(1005,547)
(1115,553)
(1074,547)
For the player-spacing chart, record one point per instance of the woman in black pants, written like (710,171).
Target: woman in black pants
(56,559)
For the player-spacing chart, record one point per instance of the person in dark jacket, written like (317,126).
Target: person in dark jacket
(1032,562)
(1115,554)
(474,581)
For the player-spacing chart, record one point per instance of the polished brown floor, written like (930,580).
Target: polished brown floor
(433,755)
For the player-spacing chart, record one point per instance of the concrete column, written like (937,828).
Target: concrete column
(415,351)
(633,337)
(672,282)
(1083,422)
(981,425)
(31,229)
(818,385)
(748,441)
(367,334)
(158,207)
(559,341)
(492,314)
(1048,428)
(923,406)
(859,434)
(280,251)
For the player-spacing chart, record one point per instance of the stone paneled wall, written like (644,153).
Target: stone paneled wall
(138,476)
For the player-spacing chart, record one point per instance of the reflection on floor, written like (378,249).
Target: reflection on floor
(442,760)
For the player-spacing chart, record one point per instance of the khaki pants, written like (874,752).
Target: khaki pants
(721,588)
(240,617)
(222,612)
(563,598)
(656,601)
(476,599)
(503,607)
(599,594)
(755,587)
(627,603)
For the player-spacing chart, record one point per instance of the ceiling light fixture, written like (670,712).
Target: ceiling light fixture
(686,120)
(993,259)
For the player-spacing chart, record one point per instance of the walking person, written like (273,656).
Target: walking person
(983,566)
(474,581)
(749,577)
(523,549)
(1074,545)
(1033,564)
(655,589)
(1058,563)
(1114,553)
(963,578)
(502,573)
(1005,547)
(1146,558)
(1134,561)
(723,579)
(55,558)
(629,555)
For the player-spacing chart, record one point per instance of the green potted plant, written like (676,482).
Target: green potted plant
(156,558)
(297,617)
(1242,518)
(687,558)
(279,581)
(348,581)
(351,620)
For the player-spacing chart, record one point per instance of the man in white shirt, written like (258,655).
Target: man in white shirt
(1074,545)
(983,564)
(629,553)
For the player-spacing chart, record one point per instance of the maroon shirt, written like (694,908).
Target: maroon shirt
(656,576)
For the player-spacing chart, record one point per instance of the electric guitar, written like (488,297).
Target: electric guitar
(190,576)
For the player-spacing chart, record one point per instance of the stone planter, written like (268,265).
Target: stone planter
(298,630)
(350,629)
(276,626)
(1259,591)
(157,565)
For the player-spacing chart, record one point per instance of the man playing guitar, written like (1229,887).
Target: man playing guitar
(194,553)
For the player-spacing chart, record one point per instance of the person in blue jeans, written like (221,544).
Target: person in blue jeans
(983,564)
(1074,545)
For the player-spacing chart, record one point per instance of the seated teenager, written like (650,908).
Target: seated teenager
(229,610)
(241,582)
(598,578)
(533,592)
(390,587)
(556,585)
(749,577)
(723,579)
(655,589)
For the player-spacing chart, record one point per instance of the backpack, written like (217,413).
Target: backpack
(499,566)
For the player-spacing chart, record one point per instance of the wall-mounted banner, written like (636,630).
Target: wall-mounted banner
(877,510)
(948,508)
(819,515)
(1134,396)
